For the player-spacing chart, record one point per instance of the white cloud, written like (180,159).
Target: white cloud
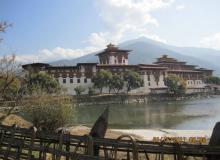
(180,7)
(129,18)
(212,41)
(130,13)
(98,39)
(58,53)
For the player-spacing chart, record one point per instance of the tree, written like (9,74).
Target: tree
(44,81)
(116,83)
(175,84)
(8,68)
(102,79)
(133,80)
(45,103)
(9,91)
(3,26)
(212,80)
(9,83)
(79,90)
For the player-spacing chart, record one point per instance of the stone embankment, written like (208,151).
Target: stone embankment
(106,99)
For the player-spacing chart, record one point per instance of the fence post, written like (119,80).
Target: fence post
(33,136)
(177,152)
(13,128)
(41,145)
(2,138)
(89,144)
(60,144)
(68,146)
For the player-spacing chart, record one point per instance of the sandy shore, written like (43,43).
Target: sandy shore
(149,134)
(144,134)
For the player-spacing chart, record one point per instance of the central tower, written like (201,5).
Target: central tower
(112,55)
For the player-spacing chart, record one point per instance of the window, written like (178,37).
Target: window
(123,61)
(64,80)
(71,80)
(78,80)
(148,77)
(148,83)
(85,80)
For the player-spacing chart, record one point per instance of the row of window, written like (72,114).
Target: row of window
(71,80)
(196,82)
(122,61)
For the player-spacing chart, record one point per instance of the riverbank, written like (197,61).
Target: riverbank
(105,99)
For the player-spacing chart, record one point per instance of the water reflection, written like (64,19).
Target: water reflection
(196,114)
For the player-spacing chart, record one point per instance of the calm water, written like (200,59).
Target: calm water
(193,114)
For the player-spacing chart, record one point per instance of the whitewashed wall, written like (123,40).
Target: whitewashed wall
(71,86)
(197,85)
(114,60)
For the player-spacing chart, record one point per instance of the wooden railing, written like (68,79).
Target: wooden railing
(20,143)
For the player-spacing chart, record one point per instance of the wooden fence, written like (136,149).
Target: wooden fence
(20,143)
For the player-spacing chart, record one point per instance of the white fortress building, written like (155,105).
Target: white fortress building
(116,61)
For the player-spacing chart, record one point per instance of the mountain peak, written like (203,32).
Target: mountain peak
(146,50)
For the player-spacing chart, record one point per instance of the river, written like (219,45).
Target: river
(200,114)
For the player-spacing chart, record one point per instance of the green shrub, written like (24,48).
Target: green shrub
(79,90)
(48,113)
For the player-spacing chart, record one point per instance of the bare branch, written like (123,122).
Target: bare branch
(4,25)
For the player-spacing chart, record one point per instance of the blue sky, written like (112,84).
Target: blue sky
(47,30)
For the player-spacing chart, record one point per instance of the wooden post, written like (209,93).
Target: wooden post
(41,152)
(2,138)
(33,136)
(60,144)
(68,146)
(89,145)
(13,128)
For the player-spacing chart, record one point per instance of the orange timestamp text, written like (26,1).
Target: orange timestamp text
(190,140)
